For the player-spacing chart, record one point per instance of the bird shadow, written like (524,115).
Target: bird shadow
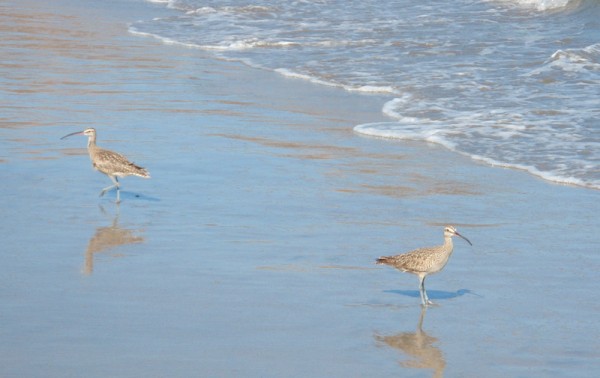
(125,195)
(433,294)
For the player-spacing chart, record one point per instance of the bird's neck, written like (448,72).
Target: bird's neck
(91,141)
(448,242)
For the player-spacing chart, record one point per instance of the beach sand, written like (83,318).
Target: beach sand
(250,252)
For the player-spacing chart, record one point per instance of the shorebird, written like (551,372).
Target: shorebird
(424,261)
(110,163)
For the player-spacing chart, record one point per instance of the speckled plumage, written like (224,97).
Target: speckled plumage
(424,261)
(109,162)
(114,164)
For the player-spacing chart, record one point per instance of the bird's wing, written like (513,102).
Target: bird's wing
(418,260)
(112,163)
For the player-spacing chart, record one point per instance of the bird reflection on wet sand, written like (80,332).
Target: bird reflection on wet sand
(418,346)
(107,238)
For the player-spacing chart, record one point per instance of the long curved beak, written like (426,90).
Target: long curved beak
(468,241)
(75,133)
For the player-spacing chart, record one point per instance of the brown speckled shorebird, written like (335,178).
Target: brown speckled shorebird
(424,261)
(110,163)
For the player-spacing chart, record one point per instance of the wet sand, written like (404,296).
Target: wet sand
(250,250)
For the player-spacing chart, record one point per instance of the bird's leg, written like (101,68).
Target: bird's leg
(115,185)
(422,289)
(118,190)
(424,298)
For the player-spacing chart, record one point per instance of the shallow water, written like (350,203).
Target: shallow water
(250,251)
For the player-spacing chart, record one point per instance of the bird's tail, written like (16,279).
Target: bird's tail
(141,172)
(382,260)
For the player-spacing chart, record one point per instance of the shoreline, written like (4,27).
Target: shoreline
(251,250)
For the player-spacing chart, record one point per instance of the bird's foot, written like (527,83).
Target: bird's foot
(109,188)
(105,190)
(428,303)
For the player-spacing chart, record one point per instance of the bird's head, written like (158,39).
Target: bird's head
(450,231)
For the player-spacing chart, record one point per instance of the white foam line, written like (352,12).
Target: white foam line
(167,41)
(169,3)
(548,176)
(539,5)
(367,129)
(295,75)
(362,89)
(372,89)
